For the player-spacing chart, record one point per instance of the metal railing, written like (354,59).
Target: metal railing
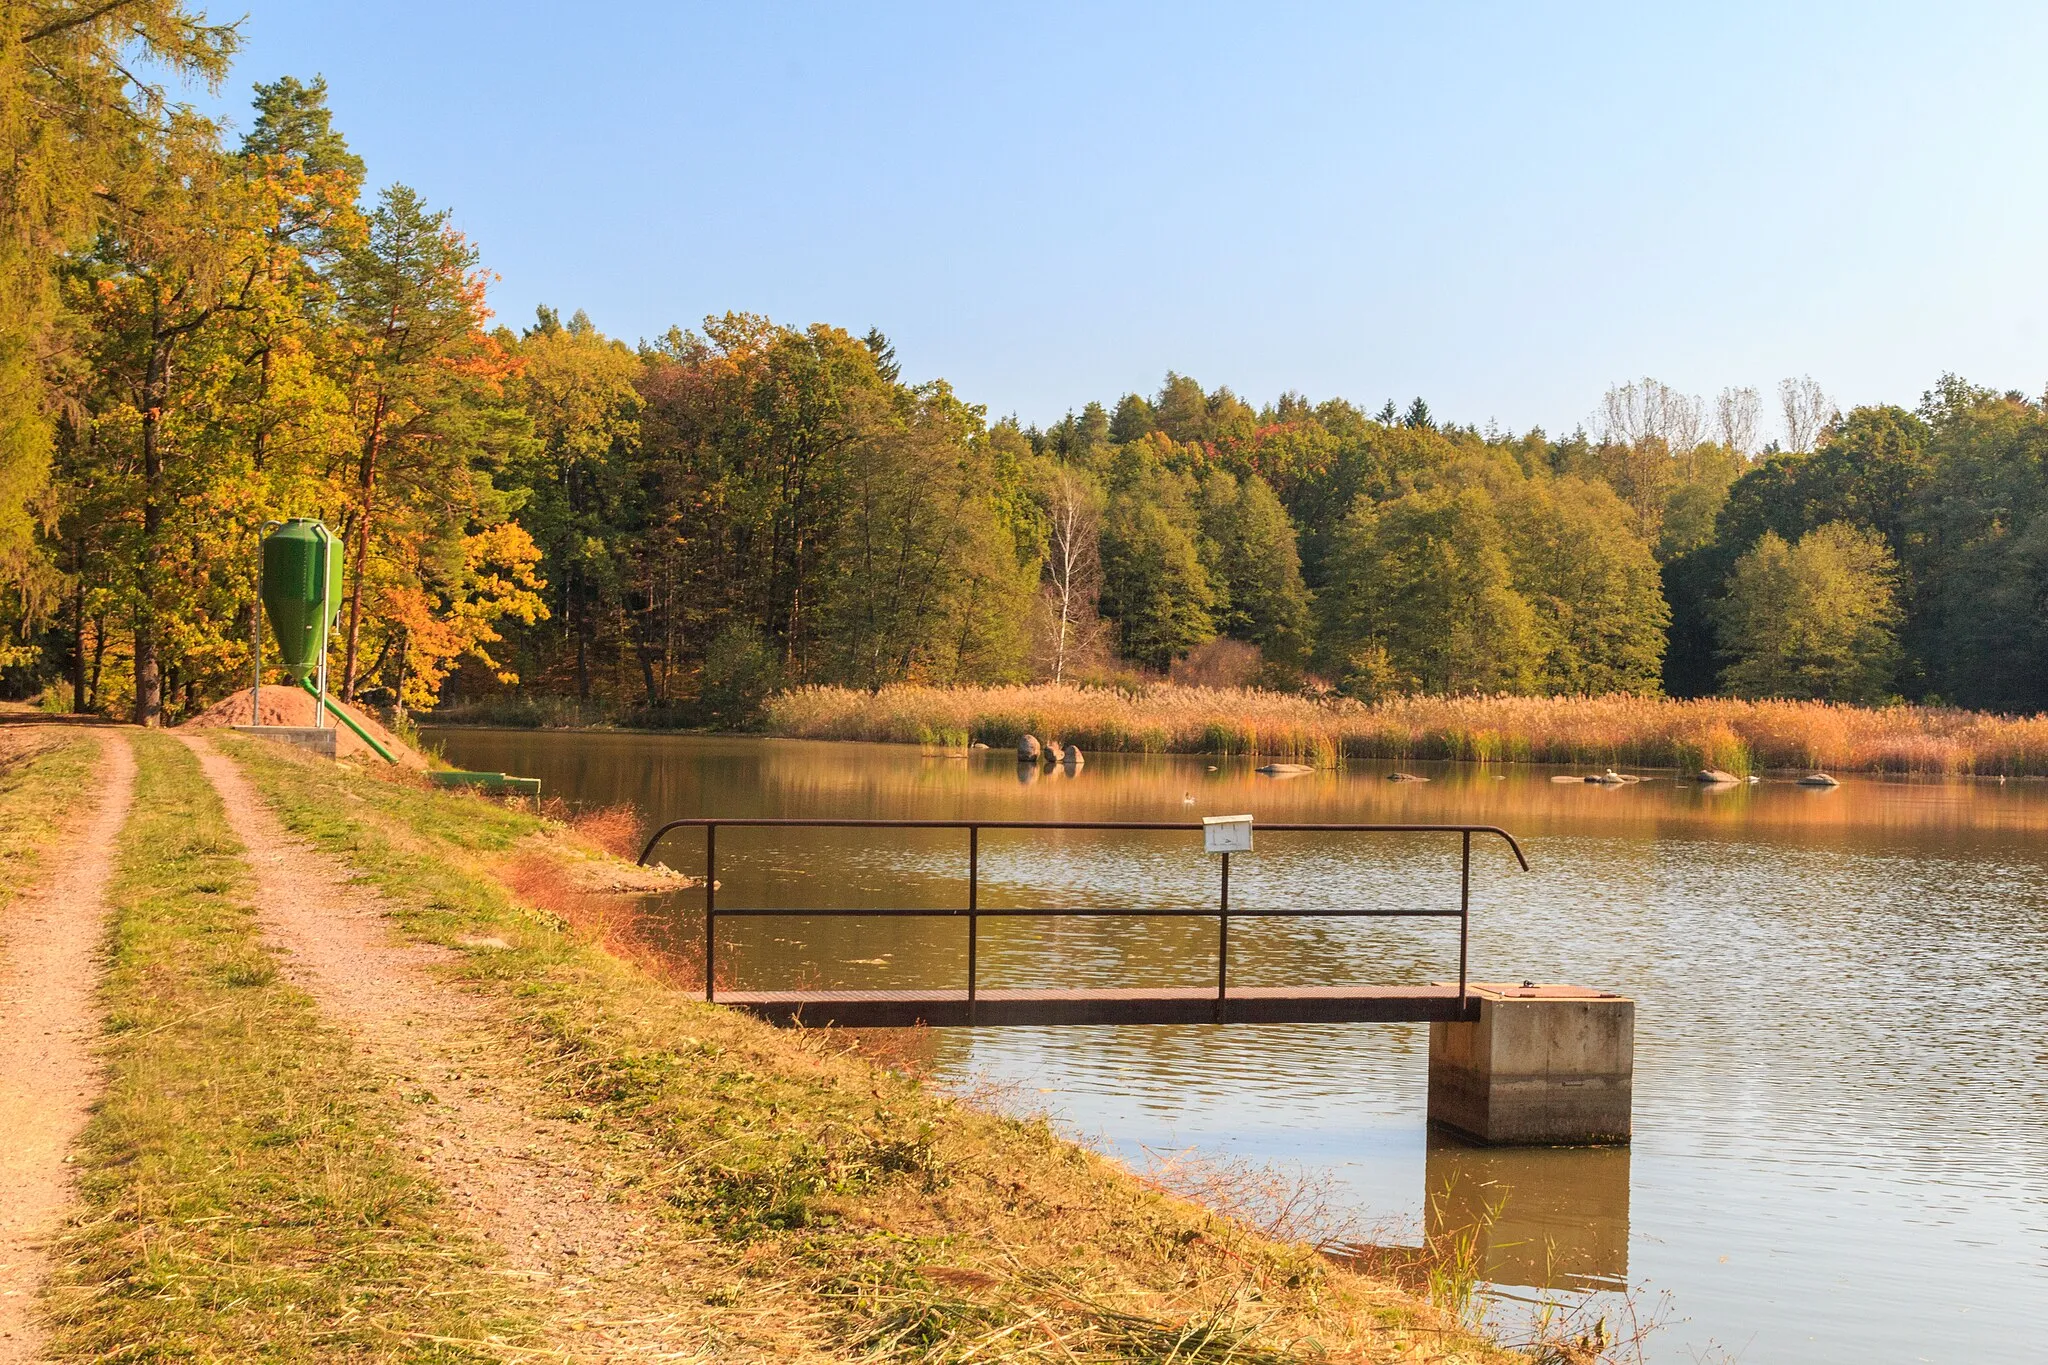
(974,912)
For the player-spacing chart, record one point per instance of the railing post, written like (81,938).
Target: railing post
(973,904)
(710,904)
(1223,941)
(1464,913)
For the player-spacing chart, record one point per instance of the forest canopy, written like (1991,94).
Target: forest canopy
(199,334)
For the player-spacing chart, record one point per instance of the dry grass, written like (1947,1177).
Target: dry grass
(1738,736)
(44,776)
(849,1206)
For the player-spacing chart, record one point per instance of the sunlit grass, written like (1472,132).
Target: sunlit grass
(1736,736)
(43,778)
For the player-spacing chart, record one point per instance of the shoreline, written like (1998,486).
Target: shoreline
(1433,749)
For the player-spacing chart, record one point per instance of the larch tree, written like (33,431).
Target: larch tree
(74,124)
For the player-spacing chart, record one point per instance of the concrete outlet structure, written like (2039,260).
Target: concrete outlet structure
(320,741)
(1541,1066)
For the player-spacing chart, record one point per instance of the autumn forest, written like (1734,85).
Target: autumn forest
(200,332)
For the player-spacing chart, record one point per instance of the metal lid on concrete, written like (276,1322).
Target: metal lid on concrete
(1535,990)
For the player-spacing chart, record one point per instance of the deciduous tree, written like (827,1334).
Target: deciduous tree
(1812,620)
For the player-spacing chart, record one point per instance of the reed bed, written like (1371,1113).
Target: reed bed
(1736,736)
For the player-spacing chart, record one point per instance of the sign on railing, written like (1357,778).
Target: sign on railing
(1226,834)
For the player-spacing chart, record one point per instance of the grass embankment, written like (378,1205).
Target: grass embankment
(243,1197)
(850,1207)
(1738,736)
(44,776)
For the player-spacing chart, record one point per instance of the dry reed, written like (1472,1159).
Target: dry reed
(1737,736)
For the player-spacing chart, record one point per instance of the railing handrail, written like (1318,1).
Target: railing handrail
(974,912)
(1167,826)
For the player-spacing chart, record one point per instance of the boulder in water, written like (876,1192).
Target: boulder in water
(1053,752)
(1286,769)
(1028,749)
(1818,780)
(1714,777)
(1073,757)
(1405,777)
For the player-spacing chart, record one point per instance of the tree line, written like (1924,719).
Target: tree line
(202,334)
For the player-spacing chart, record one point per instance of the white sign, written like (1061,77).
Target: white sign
(1226,834)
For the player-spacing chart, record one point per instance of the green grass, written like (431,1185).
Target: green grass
(833,1203)
(243,1196)
(41,784)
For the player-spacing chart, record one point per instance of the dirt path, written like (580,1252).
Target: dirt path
(51,957)
(597,1254)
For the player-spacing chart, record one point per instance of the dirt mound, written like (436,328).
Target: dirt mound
(293,706)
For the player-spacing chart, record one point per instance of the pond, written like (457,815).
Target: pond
(1841,1088)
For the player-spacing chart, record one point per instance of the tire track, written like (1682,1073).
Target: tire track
(52,958)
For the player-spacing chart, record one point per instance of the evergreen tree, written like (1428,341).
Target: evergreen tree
(1134,420)
(1256,567)
(1154,584)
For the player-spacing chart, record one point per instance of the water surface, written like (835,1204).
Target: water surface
(1841,1113)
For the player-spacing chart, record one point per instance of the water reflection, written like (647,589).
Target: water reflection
(1541,1218)
(1841,1096)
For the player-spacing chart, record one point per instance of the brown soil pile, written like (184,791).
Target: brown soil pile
(293,706)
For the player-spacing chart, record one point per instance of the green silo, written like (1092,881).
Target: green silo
(301,591)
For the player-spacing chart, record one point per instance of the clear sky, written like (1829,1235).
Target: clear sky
(1502,208)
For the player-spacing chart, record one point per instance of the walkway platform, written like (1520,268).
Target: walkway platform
(1243,1005)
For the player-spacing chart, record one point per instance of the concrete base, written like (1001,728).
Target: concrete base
(1542,1066)
(318,740)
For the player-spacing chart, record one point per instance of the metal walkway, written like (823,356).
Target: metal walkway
(1241,1005)
(975,1006)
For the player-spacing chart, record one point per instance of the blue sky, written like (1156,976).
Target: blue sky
(1502,208)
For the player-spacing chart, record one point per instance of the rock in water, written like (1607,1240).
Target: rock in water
(1053,751)
(1286,769)
(1818,780)
(1714,777)
(1074,758)
(1028,749)
(1405,777)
